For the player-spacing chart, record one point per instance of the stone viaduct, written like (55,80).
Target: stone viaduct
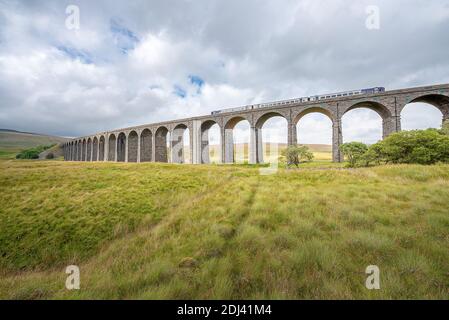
(148,143)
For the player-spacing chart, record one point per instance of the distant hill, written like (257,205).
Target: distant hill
(12,141)
(320,151)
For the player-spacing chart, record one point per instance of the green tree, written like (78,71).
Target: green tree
(33,153)
(295,154)
(416,146)
(354,152)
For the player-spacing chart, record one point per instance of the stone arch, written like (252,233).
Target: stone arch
(146,145)
(381,109)
(121,147)
(439,101)
(301,117)
(161,144)
(205,127)
(266,116)
(388,122)
(75,151)
(83,150)
(95,149)
(80,148)
(101,149)
(112,146)
(133,144)
(177,143)
(310,110)
(258,137)
(89,150)
(229,146)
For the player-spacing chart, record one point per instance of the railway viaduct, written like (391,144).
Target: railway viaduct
(148,143)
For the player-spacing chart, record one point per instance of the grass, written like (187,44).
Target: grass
(154,231)
(9,153)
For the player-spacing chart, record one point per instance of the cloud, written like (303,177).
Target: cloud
(147,61)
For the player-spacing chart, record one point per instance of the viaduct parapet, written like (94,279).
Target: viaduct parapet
(150,143)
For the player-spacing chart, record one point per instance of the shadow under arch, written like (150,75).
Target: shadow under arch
(101,146)
(89,150)
(121,147)
(229,146)
(146,145)
(177,143)
(80,148)
(95,149)
(205,127)
(111,147)
(133,145)
(161,154)
(83,150)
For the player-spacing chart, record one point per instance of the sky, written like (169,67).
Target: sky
(134,62)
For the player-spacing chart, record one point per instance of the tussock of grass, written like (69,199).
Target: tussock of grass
(183,232)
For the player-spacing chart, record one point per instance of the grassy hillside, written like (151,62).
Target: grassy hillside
(182,231)
(12,142)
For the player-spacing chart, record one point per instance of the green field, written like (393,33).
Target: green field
(156,231)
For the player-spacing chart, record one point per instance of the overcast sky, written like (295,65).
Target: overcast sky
(136,62)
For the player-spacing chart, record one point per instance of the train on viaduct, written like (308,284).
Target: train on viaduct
(152,142)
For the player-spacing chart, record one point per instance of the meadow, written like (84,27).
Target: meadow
(164,231)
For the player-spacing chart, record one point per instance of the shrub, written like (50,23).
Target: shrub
(354,152)
(294,155)
(418,146)
(50,155)
(33,153)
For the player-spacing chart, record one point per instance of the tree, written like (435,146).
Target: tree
(295,154)
(353,151)
(416,146)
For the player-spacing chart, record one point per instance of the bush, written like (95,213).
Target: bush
(50,155)
(354,152)
(33,153)
(294,155)
(418,146)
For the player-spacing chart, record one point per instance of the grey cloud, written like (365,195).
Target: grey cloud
(246,51)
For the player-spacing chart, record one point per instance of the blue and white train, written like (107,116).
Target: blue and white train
(303,99)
